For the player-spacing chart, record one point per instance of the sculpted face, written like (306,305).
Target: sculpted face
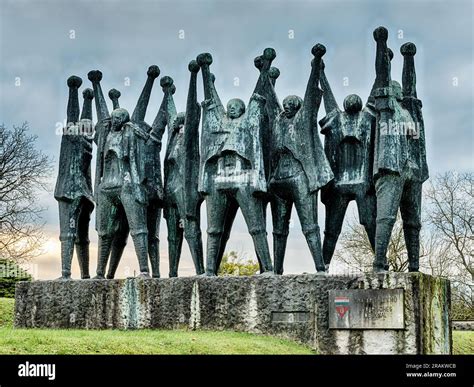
(178,122)
(352,104)
(235,108)
(119,117)
(291,105)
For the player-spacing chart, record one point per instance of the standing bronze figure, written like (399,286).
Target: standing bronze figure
(299,167)
(121,190)
(349,136)
(181,170)
(73,189)
(232,172)
(153,181)
(400,156)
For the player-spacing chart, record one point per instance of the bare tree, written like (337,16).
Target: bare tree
(23,171)
(451,199)
(446,239)
(451,214)
(355,252)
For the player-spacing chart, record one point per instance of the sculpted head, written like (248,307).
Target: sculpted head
(396,90)
(235,108)
(291,105)
(119,117)
(178,123)
(352,104)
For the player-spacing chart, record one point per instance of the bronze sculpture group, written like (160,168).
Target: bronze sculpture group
(246,157)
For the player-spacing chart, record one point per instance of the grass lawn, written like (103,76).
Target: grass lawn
(6,312)
(75,341)
(63,341)
(463,342)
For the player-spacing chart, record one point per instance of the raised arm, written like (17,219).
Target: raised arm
(374,86)
(191,141)
(312,96)
(88,95)
(95,77)
(210,93)
(114,96)
(215,96)
(193,109)
(382,58)
(330,103)
(263,64)
(167,109)
(212,110)
(408,50)
(169,89)
(86,114)
(258,63)
(204,61)
(142,104)
(265,82)
(73,84)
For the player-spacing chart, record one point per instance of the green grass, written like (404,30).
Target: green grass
(75,341)
(147,341)
(463,342)
(42,341)
(6,312)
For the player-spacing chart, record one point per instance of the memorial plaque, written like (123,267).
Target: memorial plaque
(366,309)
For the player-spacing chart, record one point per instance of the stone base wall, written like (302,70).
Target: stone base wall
(463,325)
(290,306)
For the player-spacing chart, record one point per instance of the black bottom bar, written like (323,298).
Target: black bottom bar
(91,370)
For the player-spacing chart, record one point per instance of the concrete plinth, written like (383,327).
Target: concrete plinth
(414,320)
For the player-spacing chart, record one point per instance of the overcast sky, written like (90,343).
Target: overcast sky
(43,42)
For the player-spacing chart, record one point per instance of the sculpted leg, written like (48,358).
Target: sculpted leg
(153,223)
(118,244)
(281,213)
(82,239)
(68,219)
(307,209)
(67,251)
(231,212)
(175,239)
(107,224)
(410,208)
(82,251)
(105,243)
(265,202)
(192,233)
(389,189)
(140,241)
(367,207)
(335,212)
(216,204)
(136,215)
(252,210)
(313,238)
